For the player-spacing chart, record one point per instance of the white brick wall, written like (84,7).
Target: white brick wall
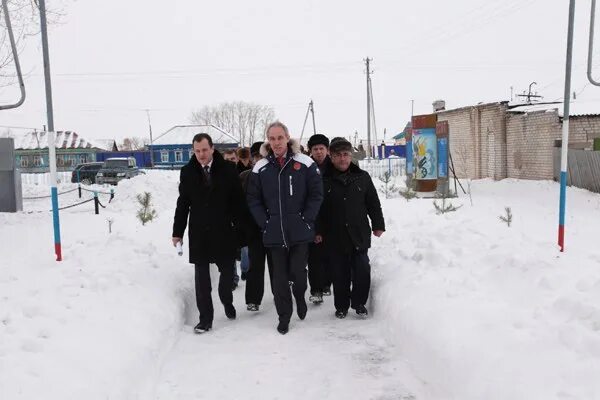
(486,141)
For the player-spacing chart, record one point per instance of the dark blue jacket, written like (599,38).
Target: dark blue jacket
(285,201)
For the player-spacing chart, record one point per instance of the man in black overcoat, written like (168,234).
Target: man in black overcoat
(210,194)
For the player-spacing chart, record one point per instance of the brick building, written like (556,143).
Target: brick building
(500,140)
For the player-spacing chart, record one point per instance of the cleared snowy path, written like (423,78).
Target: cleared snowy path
(321,357)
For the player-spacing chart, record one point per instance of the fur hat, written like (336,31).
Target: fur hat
(318,139)
(255,148)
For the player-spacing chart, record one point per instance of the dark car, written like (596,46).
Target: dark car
(116,169)
(86,173)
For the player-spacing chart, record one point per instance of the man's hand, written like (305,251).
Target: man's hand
(378,233)
(318,239)
(176,240)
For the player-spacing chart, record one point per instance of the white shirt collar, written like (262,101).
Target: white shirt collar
(209,164)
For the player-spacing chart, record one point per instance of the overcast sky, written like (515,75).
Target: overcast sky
(112,59)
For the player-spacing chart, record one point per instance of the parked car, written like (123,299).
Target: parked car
(86,173)
(116,169)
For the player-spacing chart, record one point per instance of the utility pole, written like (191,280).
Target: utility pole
(529,95)
(369,150)
(565,128)
(309,110)
(51,133)
(312,111)
(150,129)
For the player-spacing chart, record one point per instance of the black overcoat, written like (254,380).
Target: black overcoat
(217,211)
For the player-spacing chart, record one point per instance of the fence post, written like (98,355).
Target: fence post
(112,195)
(96,208)
(79,189)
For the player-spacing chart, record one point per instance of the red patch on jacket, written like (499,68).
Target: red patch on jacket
(297,166)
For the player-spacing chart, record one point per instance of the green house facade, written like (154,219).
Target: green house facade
(31,151)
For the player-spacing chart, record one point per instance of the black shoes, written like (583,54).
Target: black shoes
(327,292)
(283,327)
(252,307)
(341,314)
(301,309)
(234,286)
(244,275)
(361,311)
(230,311)
(202,327)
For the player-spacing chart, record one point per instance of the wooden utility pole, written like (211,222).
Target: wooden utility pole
(368,63)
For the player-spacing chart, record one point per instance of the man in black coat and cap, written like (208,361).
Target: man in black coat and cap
(319,275)
(343,227)
(210,193)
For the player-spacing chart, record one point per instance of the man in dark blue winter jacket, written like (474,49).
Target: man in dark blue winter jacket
(284,195)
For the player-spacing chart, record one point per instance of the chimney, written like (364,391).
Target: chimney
(439,105)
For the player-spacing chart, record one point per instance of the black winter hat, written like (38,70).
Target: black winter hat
(339,144)
(318,139)
(255,148)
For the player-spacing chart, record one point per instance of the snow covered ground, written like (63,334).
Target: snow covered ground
(463,307)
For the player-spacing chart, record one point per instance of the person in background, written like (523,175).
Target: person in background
(244,162)
(284,195)
(211,195)
(343,227)
(231,155)
(318,271)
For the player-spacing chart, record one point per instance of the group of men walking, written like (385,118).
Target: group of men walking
(280,206)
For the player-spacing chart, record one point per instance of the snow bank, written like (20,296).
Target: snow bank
(484,311)
(479,310)
(96,325)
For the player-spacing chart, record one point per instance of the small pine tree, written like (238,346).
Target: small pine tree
(408,193)
(446,205)
(508,217)
(389,188)
(146,213)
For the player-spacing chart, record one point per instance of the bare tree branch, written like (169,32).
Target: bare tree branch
(241,119)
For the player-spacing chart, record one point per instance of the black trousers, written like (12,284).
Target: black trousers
(255,280)
(289,264)
(319,276)
(351,278)
(204,289)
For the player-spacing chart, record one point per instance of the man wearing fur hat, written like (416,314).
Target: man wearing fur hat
(284,196)
(318,270)
(343,228)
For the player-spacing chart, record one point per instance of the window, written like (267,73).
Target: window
(178,156)
(164,156)
(37,161)
(191,154)
(24,161)
(60,161)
